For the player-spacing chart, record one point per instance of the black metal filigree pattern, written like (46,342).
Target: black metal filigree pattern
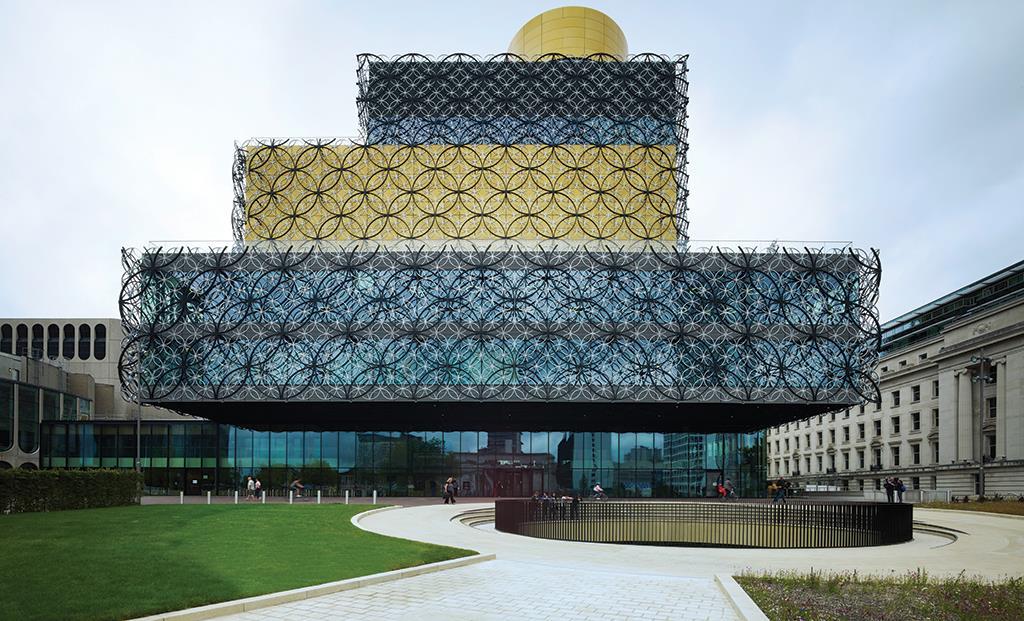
(386,323)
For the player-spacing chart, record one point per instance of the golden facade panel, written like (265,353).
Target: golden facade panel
(335,191)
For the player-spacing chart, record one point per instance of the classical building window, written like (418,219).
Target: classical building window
(846,434)
(915,393)
(861,409)
(935,418)
(915,454)
(895,398)
(21,343)
(915,421)
(895,424)
(877,457)
(787,445)
(37,341)
(52,341)
(935,389)
(831,436)
(895,456)
(99,350)
(860,431)
(878,427)
(68,345)
(819,463)
(819,439)
(84,341)
(935,452)
(846,461)
(990,445)
(860,459)
(915,482)
(990,407)
(6,338)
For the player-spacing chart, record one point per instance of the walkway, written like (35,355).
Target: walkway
(542,579)
(502,590)
(993,547)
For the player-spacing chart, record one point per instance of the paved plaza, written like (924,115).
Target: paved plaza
(514,589)
(988,545)
(544,579)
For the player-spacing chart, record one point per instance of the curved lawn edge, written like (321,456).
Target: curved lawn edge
(126,562)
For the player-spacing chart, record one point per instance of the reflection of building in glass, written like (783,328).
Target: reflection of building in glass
(502,251)
(416,463)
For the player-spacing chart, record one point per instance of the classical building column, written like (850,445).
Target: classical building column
(1011,402)
(964,417)
(947,432)
(1001,410)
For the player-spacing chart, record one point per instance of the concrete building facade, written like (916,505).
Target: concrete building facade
(951,415)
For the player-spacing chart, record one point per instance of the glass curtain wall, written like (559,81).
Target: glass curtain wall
(195,457)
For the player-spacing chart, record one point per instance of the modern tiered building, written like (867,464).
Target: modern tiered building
(493,282)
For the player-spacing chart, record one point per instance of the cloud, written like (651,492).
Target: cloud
(894,126)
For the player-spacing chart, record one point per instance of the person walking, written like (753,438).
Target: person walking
(889,489)
(900,488)
(730,490)
(258,487)
(250,488)
(297,487)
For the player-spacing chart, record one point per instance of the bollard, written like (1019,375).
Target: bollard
(346,497)
(236,496)
(181,498)
(264,497)
(208,498)
(317,496)
(291,495)
(374,496)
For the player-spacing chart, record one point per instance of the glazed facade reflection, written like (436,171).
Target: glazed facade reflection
(196,457)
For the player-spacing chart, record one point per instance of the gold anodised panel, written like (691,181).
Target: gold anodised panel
(475,192)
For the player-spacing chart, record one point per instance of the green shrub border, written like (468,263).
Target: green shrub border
(26,491)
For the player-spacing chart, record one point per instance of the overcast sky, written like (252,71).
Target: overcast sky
(893,125)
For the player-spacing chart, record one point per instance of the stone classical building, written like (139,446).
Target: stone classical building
(951,415)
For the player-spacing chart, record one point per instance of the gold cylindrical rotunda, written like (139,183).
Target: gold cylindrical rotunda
(572,31)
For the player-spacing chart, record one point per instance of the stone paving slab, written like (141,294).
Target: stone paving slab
(516,590)
(991,546)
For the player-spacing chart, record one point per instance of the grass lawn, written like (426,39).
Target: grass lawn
(1011,507)
(132,561)
(912,597)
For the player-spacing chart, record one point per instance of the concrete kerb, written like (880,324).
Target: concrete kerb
(745,607)
(969,512)
(212,611)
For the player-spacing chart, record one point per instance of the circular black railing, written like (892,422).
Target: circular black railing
(716,524)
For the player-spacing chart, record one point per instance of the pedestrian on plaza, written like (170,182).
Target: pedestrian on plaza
(599,492)
(297,487)
(250,488)
(259,487)
(900,488)
(730,490)
(889,489)
(574,508)
(449,491)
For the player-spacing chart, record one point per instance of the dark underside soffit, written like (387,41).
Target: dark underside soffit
(500,416)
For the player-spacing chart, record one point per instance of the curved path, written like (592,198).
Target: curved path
(543,579)
(990,546)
